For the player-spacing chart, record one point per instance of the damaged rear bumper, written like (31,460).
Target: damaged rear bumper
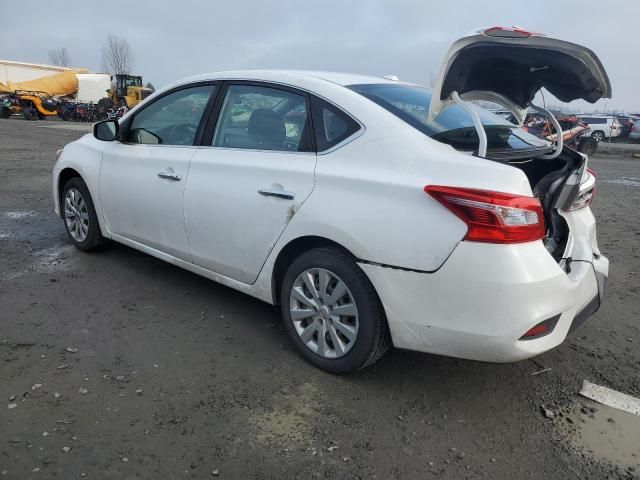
(593,306)
(485,297)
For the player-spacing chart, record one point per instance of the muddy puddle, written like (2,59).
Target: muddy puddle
(604,433)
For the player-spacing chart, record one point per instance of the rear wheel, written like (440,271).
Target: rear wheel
(80,219)
(598,135)
(588,146)
(332,312)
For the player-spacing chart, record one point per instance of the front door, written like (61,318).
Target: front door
(142,178)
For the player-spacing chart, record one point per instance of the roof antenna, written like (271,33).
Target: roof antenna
(393,78)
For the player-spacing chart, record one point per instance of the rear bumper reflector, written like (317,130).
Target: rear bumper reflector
(541,329)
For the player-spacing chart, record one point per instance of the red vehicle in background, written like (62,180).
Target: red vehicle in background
(574,132)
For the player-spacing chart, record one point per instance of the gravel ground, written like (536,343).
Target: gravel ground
(123,366)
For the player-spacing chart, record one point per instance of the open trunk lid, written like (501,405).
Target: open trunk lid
(509,66)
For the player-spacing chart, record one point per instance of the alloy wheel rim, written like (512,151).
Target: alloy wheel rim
(324,313)
(76,215)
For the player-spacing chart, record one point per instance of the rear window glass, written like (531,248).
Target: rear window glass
(453,126)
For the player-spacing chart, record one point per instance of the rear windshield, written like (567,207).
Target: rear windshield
(453,126)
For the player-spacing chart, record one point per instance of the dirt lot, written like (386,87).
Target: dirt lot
(126,367)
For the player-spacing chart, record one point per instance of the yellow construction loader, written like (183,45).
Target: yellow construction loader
(128,89)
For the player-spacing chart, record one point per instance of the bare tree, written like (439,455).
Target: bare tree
(117,56)
(60,57)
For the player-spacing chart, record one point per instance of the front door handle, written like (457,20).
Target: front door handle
(277,192)
(169,174)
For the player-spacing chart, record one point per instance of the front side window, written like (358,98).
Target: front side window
(263,118)
(172,119)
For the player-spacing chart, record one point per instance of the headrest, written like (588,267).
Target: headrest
(266,128)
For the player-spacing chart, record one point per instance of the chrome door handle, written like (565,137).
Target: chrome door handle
(277,192)
(170,176)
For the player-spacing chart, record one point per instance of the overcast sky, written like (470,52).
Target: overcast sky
(174,39)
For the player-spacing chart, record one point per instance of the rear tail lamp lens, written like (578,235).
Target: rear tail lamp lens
(493,217)
(507,32)
(587,191)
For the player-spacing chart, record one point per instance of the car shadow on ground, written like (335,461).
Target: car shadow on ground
(261,324)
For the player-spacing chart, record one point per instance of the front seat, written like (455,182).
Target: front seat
(266,129)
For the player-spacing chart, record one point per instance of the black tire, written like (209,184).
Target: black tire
(94,239)
(30,113)
(373,338)
(588,146)
(598,136)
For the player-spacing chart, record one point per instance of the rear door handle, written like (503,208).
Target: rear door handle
(277,192)
(170,175)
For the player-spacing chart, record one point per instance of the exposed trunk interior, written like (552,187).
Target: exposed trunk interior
(547,178)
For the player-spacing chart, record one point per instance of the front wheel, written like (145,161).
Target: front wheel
(30,113)
(332,312)
(80,219)
(598,136)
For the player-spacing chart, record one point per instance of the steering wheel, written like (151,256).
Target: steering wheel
(182,134)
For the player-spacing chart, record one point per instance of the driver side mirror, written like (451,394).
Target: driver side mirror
(107,130)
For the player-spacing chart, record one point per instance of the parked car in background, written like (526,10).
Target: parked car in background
(626,123)
(634,134)
(602,127)
(373,211)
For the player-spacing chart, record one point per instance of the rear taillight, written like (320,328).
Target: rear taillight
(587,191)
(507,32)
(493,217)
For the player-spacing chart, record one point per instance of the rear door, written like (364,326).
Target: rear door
(250,176)
(143,176)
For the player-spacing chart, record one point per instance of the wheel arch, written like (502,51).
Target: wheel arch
(64,176)
(291,251)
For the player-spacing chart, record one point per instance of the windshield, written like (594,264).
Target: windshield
(453,126)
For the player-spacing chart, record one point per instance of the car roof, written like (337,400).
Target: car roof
(293,76)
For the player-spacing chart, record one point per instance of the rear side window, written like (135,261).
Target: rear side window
(263,118)
(331,124)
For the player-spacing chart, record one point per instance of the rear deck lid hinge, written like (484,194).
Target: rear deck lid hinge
(477,123)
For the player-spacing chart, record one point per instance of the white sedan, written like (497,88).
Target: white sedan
(374,212)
